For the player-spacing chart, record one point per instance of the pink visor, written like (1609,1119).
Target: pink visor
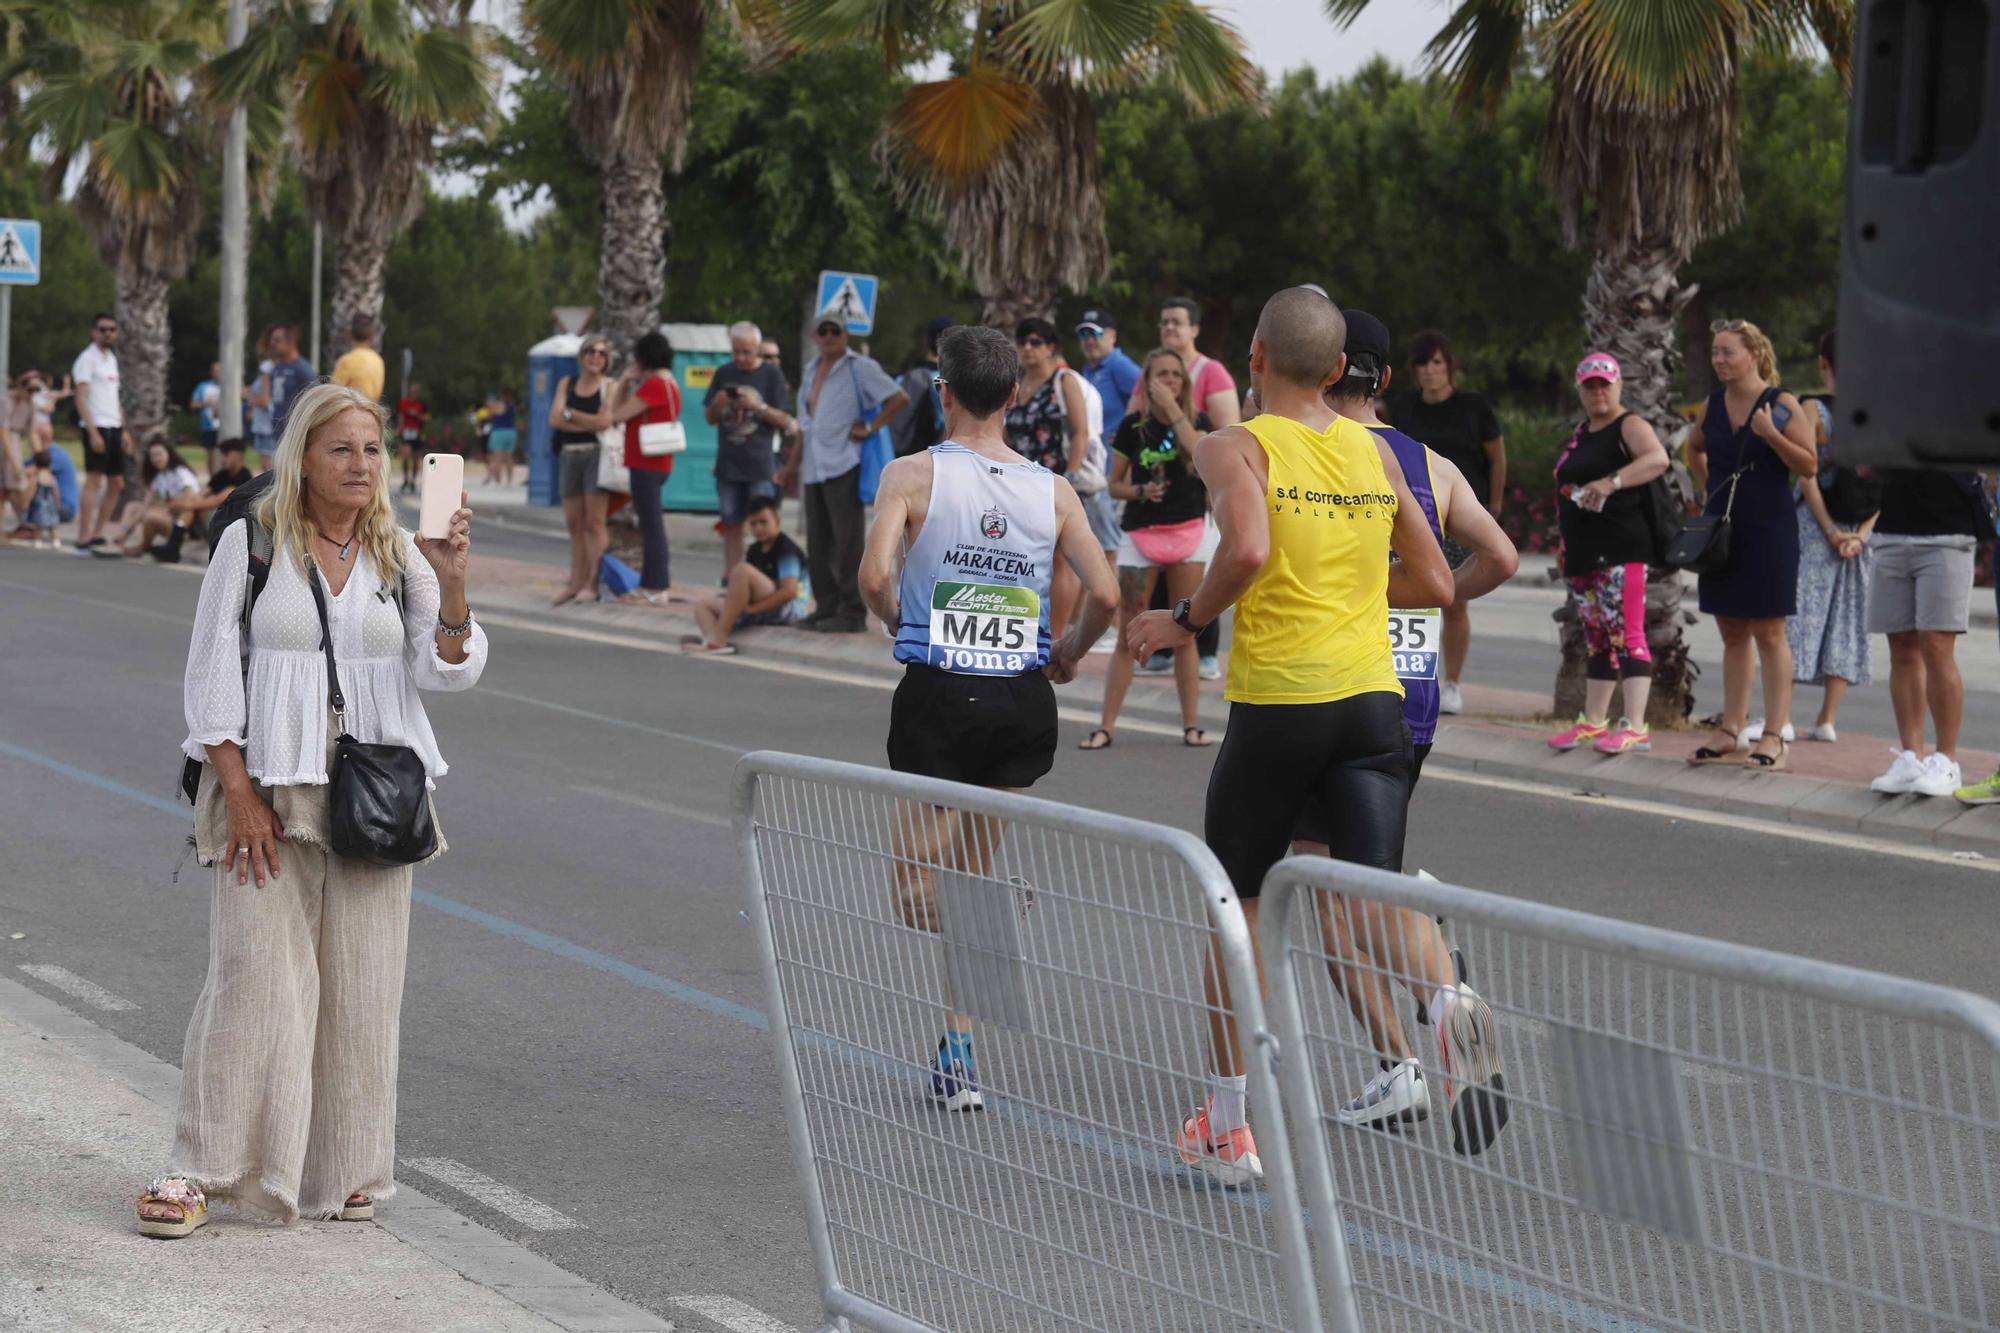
(1597,366)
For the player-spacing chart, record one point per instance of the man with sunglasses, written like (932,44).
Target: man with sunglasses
(844,398)
(103,419)
(1114,375)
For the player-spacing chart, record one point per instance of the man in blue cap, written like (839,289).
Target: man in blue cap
(1112,373)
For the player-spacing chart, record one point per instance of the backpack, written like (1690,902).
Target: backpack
(235,507)
(922,425)
(258,548)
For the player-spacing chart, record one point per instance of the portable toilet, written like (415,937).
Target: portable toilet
(698,350)
(548,361)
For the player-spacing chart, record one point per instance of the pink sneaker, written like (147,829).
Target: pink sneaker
(1624,737)
(1582,730)
(1231,1162)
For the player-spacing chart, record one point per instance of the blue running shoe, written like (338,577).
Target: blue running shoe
(954,1085)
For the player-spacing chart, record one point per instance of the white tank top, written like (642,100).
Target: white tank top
(975,589)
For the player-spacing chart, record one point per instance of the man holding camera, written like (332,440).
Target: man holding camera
(748,404)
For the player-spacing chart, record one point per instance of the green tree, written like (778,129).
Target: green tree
(367,88)
(104,88)
(629,67)
(1005,150)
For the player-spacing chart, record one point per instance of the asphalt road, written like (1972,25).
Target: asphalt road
(577,1022)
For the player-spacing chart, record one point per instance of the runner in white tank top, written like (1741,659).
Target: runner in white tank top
(959,560)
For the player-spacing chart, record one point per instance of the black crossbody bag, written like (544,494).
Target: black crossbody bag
(1703,545)
(378,803)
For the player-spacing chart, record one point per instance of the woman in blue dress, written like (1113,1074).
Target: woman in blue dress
(1754,437)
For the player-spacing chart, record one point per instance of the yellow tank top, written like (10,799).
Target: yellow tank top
(1314,625)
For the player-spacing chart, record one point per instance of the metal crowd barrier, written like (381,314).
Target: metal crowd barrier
(1702,1135)
(1076,940)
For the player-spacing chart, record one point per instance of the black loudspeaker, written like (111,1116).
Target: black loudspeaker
(1920,251)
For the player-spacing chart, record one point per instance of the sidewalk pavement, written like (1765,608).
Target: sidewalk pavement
(1502,733)
(85,1121)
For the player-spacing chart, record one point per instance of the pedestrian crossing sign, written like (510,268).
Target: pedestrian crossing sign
(849,298)
(21,252)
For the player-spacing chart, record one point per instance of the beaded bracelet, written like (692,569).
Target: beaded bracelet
(458,631)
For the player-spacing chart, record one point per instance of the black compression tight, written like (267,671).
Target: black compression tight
(1351,758)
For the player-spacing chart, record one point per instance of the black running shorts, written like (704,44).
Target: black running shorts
(111,462)
(1350,757)
(989,731)
(1314,823)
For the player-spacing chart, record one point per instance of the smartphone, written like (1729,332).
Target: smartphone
(444,485)
(1780,414)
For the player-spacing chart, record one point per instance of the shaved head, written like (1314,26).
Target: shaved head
(1304,335)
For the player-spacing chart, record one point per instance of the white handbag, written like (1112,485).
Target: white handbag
(612,474)
(657,439)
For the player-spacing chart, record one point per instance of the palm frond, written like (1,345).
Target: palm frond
(960,126)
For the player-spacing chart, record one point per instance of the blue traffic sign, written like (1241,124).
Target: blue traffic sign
(21,254)
(849,298)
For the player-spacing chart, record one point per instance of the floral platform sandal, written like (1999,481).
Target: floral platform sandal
(359,1208)
(177,1208)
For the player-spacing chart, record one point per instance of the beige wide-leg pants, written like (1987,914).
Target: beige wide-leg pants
(288,1081)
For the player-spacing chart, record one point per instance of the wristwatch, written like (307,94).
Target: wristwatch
(1181,617)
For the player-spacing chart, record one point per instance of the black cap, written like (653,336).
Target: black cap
(1096,319)
(1367,336)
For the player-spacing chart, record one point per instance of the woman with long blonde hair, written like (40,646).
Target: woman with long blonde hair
(288,1089)
(1752,440)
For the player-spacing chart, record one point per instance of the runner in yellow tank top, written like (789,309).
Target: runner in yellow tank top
(1308,507)
(1313,626)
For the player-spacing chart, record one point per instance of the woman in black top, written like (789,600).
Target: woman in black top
(1166,528)
(576,415)
(1462,427)
(1607,541)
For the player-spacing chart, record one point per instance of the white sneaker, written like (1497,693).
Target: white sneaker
(1902,775)
(1209,669)
(1470,1063)
(1755,732)
(1823,732)
(1393,1098)
(1450,699)
(1939,778)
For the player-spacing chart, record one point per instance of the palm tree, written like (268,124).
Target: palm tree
(367,87)
(630,68)
(1642,126)
(1005,150)
(104,94)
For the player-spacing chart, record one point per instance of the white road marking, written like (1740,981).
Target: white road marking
(1823,837)
(71,984)
(733,1315)
(750,663)
(660,807)
(530,1213)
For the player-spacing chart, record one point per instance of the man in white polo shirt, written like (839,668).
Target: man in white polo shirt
(96,376)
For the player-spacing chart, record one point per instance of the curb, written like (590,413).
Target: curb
(1785,798)
(414,1218)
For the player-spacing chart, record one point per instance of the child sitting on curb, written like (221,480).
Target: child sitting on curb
(767,588)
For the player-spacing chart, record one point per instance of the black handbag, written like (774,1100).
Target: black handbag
(378,802)
(1703,545)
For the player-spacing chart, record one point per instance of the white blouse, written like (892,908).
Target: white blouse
(384,661)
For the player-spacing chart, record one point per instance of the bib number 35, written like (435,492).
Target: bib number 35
(1414,640)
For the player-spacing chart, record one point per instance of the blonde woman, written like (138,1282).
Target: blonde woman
(1752,439)
(288,1090)
(582,408)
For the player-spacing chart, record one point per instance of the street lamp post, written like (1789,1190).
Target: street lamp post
(235,247)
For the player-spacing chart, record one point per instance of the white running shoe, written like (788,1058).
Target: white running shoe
(1450,698)
(1471,1065)
(1902,775)
(1393,1098)
(1755,732)
(1823,732)
(1209,668)
(1939,778)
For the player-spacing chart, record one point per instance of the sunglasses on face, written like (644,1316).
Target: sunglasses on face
(1033,341)
(768,356)
(829,331)
(597,351)
(107,328)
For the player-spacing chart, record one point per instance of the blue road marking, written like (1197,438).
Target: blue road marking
(1525,1294)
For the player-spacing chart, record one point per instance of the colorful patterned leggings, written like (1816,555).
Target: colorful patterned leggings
(1611,607)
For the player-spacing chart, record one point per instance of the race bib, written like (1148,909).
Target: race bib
(1414,640)
(984,629)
